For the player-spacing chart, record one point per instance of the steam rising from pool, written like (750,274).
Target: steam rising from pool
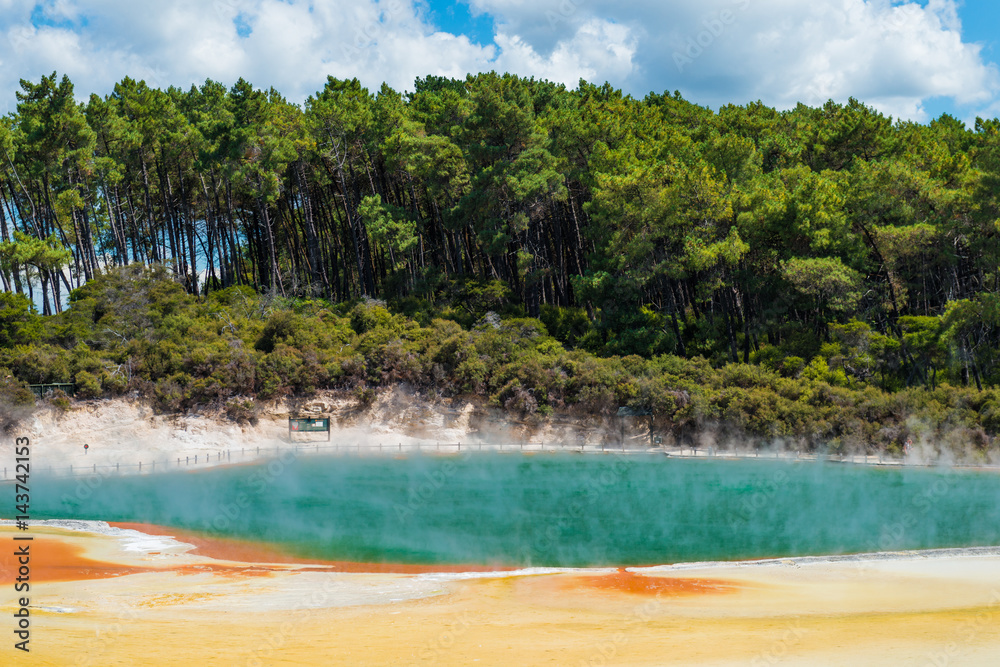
(550,510)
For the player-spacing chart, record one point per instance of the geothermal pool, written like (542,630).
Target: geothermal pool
(563,510)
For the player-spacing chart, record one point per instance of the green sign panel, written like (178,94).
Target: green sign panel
(40,390)
(309,425)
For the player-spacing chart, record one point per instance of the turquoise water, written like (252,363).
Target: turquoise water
(550,510)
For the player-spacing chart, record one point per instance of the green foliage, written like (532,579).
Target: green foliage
(544,247)
(469,301)
(829,285)
(367,317)
(16,401)
(19,324)
(129,302)
(44,255)
(87,385)
(389,226)
(280,327)
(59,400)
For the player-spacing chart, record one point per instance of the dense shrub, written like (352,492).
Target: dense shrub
(234,347)
(280,327)
(16,400)
(19,324)
(58,400)
(567,325)
(242,410)
(87,385)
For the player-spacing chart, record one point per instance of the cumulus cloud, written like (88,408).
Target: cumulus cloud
(599,50)
(893,54)
(292,45)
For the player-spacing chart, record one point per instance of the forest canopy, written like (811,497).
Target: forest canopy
(830,244)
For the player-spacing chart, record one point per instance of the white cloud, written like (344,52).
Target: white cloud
(892,54)
(292,45)
(895,55)
(599,51)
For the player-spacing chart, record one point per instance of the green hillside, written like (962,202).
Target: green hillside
(825,275)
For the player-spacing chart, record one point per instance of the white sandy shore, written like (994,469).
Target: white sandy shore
(916,609)
(125,433)
(125,436)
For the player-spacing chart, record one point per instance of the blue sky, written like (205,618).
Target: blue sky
(457,18)
(913,60)
(980,22)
